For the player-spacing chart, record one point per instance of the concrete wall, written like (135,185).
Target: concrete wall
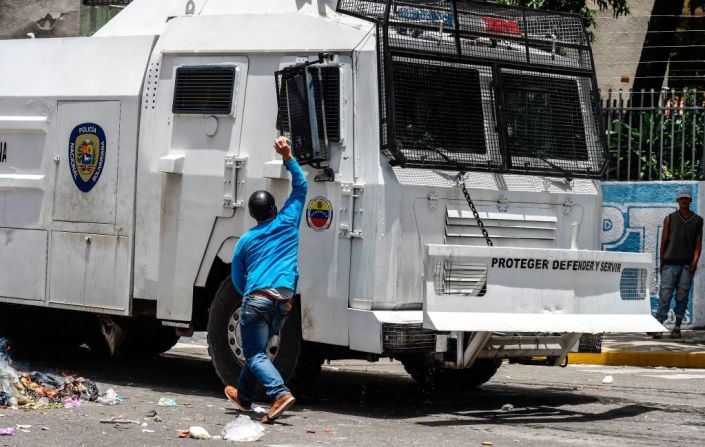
(618,43)
(633,214)
(44,18)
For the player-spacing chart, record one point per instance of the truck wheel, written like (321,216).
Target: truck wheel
(297,364)
(423,369)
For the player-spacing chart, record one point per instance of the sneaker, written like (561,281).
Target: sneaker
(676,333)
(231,394)
(278,407)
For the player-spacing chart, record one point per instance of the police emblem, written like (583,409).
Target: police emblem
(86,155)
(319,213)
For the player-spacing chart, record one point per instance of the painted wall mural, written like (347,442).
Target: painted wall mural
(632,221)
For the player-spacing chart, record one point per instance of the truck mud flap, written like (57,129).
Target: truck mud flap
(498,289)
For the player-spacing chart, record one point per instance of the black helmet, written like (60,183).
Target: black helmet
(262,206)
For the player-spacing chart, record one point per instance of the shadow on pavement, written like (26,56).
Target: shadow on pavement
(387,395)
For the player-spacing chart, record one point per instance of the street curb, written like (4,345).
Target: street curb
(616,358)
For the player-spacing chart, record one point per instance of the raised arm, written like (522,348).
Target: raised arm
(294,205)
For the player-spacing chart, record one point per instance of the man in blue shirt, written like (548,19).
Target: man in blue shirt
(265,273)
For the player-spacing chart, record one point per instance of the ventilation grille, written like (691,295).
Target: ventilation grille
(632,284)
(206,90)
(453,278)
(536,230)
(407,337)
(326,91)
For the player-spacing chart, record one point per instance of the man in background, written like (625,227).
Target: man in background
(681,242)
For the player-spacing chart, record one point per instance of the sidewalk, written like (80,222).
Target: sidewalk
(642,350)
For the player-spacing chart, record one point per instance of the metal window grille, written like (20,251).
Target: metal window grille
(443,66)
(655,135)
(204,90)
(326,93)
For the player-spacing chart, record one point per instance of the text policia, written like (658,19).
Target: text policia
(546,264)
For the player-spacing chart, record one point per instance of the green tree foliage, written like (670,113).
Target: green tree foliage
(587,8)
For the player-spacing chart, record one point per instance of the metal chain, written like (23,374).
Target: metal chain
(461,182)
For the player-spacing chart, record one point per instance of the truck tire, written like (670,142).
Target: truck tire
(296,362)
(423,369)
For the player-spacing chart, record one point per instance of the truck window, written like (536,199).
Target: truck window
(438,106)
(543,117)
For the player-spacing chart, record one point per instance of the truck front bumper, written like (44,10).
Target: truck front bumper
(495,289)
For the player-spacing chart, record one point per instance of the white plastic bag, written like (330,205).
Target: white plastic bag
(243,429)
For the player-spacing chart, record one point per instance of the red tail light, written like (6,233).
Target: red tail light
(501,26)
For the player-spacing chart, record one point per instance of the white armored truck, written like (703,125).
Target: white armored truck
(452,150)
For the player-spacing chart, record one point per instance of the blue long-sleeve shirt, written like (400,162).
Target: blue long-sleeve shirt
(266,256)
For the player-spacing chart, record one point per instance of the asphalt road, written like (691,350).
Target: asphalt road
(362,404)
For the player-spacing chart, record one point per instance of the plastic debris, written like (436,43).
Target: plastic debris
(22,426)
(71,403)
(183,433)
(198,433)
(37,389)
(258,409)
(146,430)
(327,430)
(608,379)
(10,431)
(310,430)
(166,401)
(487,443)
(242,429)
(507,407)
(110,398)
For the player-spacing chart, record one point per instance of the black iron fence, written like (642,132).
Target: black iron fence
(655,135)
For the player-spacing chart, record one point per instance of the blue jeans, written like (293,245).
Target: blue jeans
(260,320)
(676,277)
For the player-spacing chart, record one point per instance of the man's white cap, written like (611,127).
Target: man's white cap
(684,192)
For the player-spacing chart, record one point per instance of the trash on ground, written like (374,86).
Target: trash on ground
(507,407)
(119,420)
(10,431)
(71,403)
(242,429)
(487,443)
(21,426)
(198,433)
(151,413)
(44,428)
(310,430)
(166,401)
(146,430)
(327,430)
(608,379)
(37,389)
(183,433)
(258,409)
(110,398)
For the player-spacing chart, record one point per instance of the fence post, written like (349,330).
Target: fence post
(641,131)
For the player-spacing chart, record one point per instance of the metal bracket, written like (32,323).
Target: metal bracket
(347,228)
(326,176)
(233,164)
(433,200)
(502,204)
